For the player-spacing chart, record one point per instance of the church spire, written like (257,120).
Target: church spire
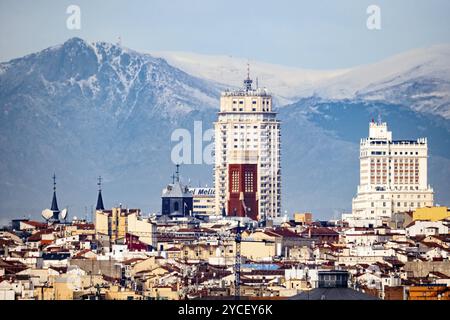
(54,206)
(100,205)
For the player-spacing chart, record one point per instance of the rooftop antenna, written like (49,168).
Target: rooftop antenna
(99,183)
(248,70)
(379,118)
(248,82)
(257,83)
(178,172)
(54,181)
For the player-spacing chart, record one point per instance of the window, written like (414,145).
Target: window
(235,181)
(248,181)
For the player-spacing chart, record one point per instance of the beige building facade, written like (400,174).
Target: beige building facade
(118,222)
(393,177)
(203,201)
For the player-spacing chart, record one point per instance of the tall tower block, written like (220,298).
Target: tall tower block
(247,176)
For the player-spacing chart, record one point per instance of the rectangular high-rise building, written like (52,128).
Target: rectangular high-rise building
(203,201)
(393,177)
(247,155)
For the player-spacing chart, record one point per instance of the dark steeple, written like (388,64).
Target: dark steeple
(54,207)
(100,205)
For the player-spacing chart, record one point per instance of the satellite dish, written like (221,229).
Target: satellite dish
(75,218)
(64,213)
(47,214)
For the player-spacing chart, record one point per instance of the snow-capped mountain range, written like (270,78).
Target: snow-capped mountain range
(86,109)
(419,79)
(286,83)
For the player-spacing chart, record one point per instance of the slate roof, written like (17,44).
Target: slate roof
(320,231)
(176,190)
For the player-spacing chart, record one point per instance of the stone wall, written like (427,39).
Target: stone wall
(108,268)
(422,268)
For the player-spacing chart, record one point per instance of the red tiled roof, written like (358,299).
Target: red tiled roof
(12,267)
(36,224)
(132,260)
(6,242)
(281,232)
(81,253)
(85,226)
(200,230)
(438,274)
(320,231)
(37,236)
(173,249)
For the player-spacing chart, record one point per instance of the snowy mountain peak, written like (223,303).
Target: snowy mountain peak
(112,77)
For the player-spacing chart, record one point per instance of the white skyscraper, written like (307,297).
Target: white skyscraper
(393,177)
(247,154)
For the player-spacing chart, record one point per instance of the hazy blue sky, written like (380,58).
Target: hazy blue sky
(311,34)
